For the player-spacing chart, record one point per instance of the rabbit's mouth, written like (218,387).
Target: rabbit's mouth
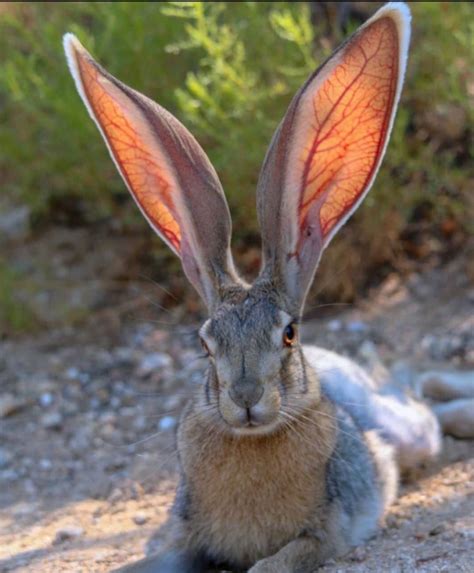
(256,429)
(256,420)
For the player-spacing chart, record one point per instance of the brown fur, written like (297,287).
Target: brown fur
(249,497)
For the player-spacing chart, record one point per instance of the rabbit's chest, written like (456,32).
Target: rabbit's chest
(248,498)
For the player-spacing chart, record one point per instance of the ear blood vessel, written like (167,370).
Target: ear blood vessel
(288,455)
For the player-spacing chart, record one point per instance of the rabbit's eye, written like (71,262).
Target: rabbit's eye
(205,347)
(289,335)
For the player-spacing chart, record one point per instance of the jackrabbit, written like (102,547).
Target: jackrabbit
(288,455)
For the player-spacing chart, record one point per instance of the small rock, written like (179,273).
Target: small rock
(359,554)
(108,417)
(30,487)
(456,418)
(84,377)
(125,356)
(70,408)
(81,440)
(46,399)
(10,405)
(115,496)
(447,385)
(24,508)
(45,464)
(334,325)
(5,458)
(9,475)
(110,434)
(115,402)
(419,535)
(393,522)
(128,398)
(115,465)
(172,403)
(100,489)
(140,518)
(438,529)
(167,423)
(357,327)
(139,423)
(95,403)
(128,412)
(467,533)
(72,373)
(67,533)
(152,362)
(52,421)
(443,347)
(470,296)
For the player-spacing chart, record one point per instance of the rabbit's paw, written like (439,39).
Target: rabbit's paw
(270,565)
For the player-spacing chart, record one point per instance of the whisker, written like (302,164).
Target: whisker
(347,462)
(327,305)
(166,291)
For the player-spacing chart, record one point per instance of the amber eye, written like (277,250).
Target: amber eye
(289,335)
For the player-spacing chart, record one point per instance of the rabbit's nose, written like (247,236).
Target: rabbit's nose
(246,393)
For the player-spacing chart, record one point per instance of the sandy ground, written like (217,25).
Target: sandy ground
(87,422)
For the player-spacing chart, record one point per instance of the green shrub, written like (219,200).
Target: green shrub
(228,70)
(49,147)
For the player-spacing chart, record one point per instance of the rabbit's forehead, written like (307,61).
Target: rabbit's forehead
(257,320)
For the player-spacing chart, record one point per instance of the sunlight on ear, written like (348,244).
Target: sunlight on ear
(347,113)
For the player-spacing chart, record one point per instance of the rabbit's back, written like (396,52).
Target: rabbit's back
(391,412)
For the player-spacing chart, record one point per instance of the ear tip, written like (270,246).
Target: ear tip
(69,42)
(399,10)
(400,6)
(400,14)
(72,45)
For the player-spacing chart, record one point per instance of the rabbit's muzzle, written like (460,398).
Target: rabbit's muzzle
(250,407)
(246,393)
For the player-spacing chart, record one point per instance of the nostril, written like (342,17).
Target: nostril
(246,395)
(256,398)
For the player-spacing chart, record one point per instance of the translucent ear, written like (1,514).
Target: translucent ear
(165,169)
(326,152)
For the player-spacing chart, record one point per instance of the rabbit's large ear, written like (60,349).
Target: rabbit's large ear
(326,152)
(167,172)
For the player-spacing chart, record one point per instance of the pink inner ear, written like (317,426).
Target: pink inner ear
(138,157)
(343,124)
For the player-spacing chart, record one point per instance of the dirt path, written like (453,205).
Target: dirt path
(87,419)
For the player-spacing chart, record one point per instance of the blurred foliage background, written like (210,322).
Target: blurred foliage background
(228,70)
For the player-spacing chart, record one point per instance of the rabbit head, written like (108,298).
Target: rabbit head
(321,163)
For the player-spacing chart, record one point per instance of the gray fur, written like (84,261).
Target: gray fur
(404,422)
(351,472)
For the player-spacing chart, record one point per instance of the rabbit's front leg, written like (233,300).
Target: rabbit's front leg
(303,555)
